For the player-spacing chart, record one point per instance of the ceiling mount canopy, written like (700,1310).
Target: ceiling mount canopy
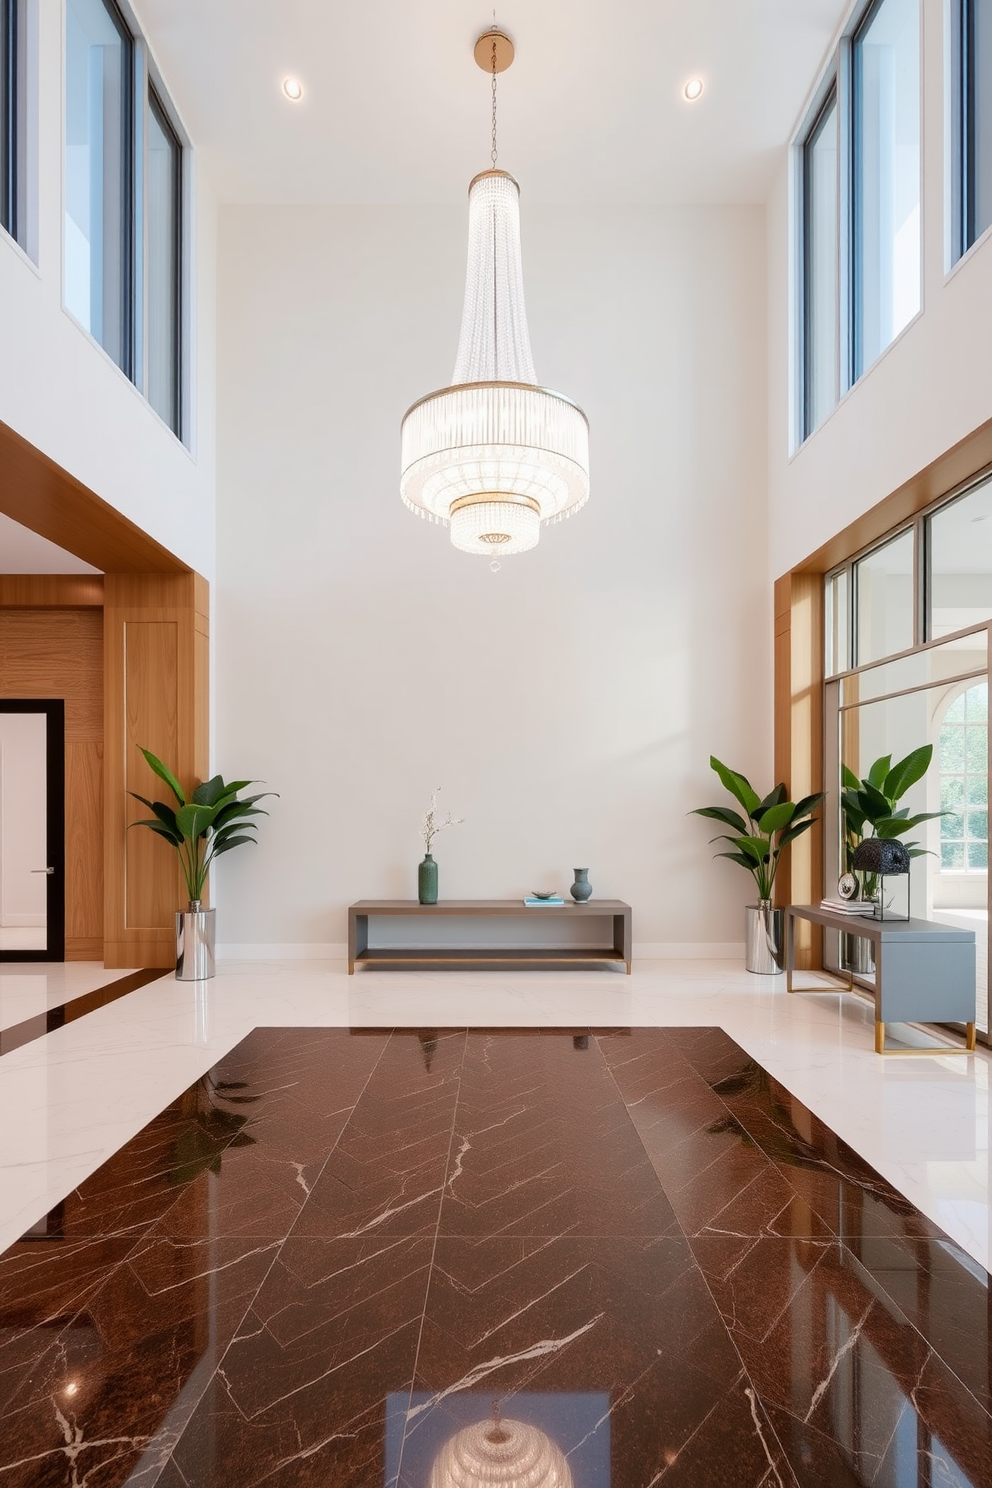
(494,456)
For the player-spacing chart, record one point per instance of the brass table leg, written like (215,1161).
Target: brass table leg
(932,1051)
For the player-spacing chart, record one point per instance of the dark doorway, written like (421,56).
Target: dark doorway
(32,825)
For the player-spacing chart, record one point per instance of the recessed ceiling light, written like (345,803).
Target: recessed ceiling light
(293,89)
(693,89)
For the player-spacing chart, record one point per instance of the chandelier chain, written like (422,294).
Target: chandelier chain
(494,102)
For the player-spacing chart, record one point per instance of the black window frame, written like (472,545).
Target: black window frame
(830,101)
(10,124)
(964,104)
(855,347)
(161,114)
(964,56)
(128,184)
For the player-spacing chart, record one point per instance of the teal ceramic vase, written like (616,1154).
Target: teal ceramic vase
(427,880)
(581,889)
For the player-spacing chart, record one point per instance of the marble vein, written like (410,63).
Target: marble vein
(752,1401)
(845,1348)
(482,1371)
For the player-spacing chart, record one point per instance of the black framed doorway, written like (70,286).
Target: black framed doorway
(53,868)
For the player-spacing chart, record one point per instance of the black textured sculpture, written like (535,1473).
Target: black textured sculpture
(885,858)
(882,855)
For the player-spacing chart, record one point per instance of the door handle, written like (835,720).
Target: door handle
(43,870)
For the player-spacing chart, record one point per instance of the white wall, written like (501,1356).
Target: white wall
(567,705)
(928,391)
(23,839)
(61,391)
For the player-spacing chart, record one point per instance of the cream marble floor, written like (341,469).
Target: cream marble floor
(71,1098)
(28,988)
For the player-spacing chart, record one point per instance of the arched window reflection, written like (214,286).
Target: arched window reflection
(963,754)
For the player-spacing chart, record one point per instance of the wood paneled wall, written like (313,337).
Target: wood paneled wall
(799,740)
(128,649)
(58,653)
(156,658)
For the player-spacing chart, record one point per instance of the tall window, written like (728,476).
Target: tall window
(820,266)
(124,226)
(886,57)
(98,170)
(859,157)
(964,782)
(12,131)
(972,51)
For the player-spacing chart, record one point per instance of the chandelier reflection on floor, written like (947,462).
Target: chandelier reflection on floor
(494,456)
(500,1454)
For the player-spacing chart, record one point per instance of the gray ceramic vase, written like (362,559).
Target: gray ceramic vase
(581,889)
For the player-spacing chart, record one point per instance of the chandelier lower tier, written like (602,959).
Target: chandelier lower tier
(494,457)
(495,460)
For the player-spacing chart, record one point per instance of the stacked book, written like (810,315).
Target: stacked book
(544,903)
(863,907)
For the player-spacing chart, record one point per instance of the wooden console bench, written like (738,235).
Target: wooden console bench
(618,946)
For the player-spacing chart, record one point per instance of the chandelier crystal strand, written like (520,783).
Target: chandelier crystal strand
(495,455)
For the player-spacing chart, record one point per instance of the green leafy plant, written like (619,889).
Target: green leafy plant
(871,806)
(770,823)
(211,822)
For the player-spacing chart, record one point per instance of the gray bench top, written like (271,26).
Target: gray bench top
(894,930)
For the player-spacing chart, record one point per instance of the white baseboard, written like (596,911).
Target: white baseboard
(662,950)
(298,950)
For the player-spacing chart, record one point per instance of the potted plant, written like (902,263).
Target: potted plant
(768,825)
(213,821)
(871,809)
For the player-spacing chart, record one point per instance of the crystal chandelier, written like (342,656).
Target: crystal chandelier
(500,1454)
(494,456)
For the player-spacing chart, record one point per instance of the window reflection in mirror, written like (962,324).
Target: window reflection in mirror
(836,627)
(961,563)
(883,587)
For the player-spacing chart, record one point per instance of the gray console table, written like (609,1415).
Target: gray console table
(924,972)
(616,914)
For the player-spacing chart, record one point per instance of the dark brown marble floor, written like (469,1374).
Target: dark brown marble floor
(342,1247)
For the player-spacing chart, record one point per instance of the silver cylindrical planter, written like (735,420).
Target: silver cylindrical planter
(196,930)
(763,943)
(858,955)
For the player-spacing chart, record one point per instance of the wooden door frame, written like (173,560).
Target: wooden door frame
(141,584)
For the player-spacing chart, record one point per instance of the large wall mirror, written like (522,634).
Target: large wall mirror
(907,657)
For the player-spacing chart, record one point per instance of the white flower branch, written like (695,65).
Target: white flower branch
(431,825)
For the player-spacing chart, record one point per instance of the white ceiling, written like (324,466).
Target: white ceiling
(24,552)
(395,109)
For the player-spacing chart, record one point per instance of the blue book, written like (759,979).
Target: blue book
(537,903)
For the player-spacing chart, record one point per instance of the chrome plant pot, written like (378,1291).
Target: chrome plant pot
(196,933)
(763,938)
(858,955)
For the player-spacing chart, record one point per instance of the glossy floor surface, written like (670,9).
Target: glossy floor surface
(77,1004)
(70,1100)
(339,1247)
(30,988)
